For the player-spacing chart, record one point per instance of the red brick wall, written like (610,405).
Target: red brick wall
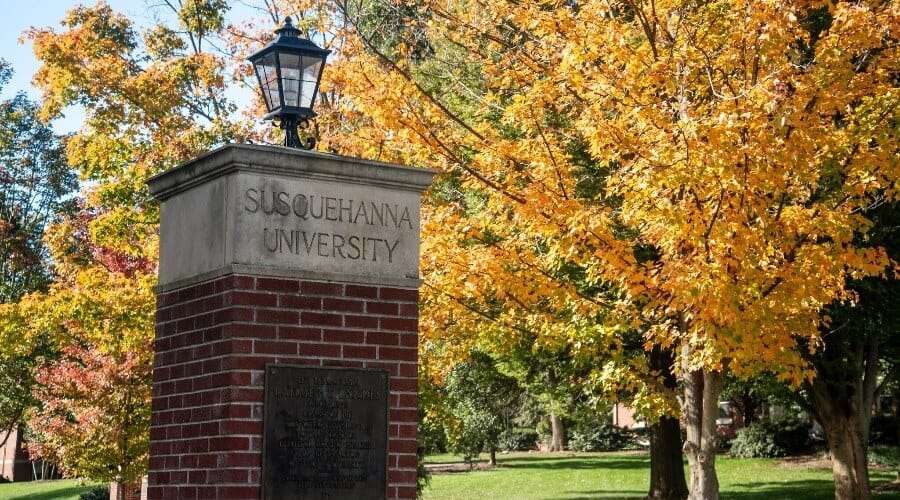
(213,341)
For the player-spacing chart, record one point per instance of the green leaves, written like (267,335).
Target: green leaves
(202,16)
(35,182)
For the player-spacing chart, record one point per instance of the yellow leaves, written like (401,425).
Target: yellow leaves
(112,312)
(162,42)
(96,45)
(739,162)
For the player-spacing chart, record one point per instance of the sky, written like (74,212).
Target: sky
(18,15)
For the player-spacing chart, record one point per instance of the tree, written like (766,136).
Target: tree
(666,458)
(35,182)
(94,419)
(736,141)
(749,396)
(859,343)
(17,374)
(92,414)
(555,378)
(152,100)
(483,401)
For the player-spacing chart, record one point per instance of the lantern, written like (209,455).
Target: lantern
(289,69)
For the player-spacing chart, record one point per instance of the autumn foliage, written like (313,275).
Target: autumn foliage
(698,175)
(152,99)
(94,418)
(698,172)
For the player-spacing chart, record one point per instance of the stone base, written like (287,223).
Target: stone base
(213,341)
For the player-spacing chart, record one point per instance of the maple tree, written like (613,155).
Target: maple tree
(93,386)
(733,149)
(93,420)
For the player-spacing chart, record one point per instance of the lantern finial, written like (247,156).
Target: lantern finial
(288,29)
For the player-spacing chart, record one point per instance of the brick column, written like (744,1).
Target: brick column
(213,342)
(230,302)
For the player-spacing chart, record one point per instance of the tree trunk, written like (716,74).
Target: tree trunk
(842,396)
(701,408)
(895,408)
(557,433)
(493,456)
(7,433)
(848,461)
(748,409)
(666,458)
(666,461)
(846,429)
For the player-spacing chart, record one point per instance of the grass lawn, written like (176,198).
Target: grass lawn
(584,476)
(63,489)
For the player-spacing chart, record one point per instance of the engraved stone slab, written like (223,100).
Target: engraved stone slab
(324,226)
(275,211)
(324,433)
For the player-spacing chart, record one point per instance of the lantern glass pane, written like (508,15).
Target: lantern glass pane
(290,78)
(268,77)
(312,65)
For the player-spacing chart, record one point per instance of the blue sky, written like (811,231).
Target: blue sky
(18,15)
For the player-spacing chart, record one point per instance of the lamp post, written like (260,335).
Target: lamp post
(289,69)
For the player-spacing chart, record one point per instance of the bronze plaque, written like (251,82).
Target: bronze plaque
(325,433)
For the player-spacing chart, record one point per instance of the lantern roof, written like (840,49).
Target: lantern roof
(289,40)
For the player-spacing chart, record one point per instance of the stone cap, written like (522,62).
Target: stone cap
(289,162)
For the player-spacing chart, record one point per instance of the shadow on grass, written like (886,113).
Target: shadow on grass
(794,490)
(809,489)
(72,491)
(610,495)
(562,462)
(576,463)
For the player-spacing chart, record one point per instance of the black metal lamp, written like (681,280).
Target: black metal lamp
(289,69)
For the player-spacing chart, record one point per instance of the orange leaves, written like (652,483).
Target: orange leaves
(97,45)
(95,414)
(148,107)
(726,140)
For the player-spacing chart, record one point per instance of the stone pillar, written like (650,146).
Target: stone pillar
(275,257)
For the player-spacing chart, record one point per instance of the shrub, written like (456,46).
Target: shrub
(640,437)
(604,437)
(518,439)
(792,435)
(755,441)
(423,477)
(96,493)
(771,439)
(473,437)
(885,456)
